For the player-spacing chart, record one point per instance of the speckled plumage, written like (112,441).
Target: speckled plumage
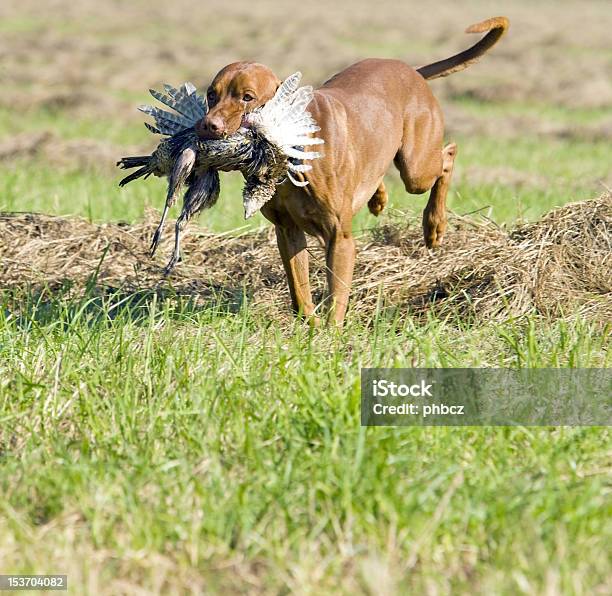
(265,150)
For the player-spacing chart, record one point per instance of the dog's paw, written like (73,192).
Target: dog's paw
(434,226)
(376,205)
(378,201)
(314,322)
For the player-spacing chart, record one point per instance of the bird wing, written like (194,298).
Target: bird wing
(286,122)
(188,106)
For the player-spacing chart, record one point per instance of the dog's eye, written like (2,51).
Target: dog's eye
(211,96)
(247,97)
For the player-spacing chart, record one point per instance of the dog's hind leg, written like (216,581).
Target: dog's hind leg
(434,215)
(379,200)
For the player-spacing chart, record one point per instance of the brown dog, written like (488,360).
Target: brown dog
(371,114)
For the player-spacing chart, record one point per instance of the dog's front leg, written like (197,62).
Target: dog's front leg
(292,247)
(340,257)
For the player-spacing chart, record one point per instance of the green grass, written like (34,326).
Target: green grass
(564,169)
(167,443)
(63,125)
(164,447)
(549,111)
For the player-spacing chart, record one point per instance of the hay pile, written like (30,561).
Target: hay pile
(558,266)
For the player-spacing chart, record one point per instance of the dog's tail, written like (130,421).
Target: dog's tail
(496,27)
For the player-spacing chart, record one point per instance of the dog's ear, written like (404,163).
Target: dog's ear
(277,85)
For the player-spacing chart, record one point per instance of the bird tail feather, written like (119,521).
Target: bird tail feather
(142,162)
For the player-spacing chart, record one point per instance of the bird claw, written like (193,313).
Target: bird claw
(171,264)
(153,247)
(155,242)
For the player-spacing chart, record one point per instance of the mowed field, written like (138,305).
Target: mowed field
(156,445)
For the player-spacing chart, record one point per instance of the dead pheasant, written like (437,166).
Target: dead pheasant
(266,149)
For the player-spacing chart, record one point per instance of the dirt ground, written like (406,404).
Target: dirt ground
(85,60)
(158,437)
(557,266)
(97,57)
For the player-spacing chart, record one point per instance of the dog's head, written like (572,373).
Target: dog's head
(237,89)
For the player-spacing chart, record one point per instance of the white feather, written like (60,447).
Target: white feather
(300,167)
(296,182)
(285,122)
(298,154)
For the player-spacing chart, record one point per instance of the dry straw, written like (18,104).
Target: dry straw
(559,266)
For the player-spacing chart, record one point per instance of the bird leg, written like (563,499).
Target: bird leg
(158,232)
(180,172)
(180,225)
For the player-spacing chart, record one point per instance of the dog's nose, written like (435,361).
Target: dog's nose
(210,128)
